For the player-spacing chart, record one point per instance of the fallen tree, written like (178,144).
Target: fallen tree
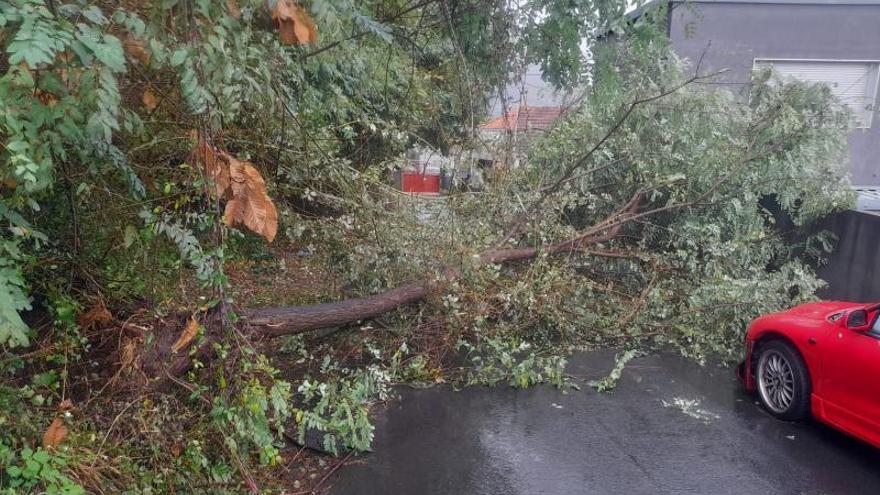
(636,222)
(782,126)
(275,322)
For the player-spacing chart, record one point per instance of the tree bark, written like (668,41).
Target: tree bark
(285,321)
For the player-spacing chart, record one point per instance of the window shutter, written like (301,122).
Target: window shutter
(855,83)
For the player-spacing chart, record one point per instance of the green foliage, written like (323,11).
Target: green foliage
(77,136)
(496,360)
(339,407)
(701,270)
(13,296)
(23,468)
(258,414)
(62,104)
(36,469)
(74,104)
(185,240)
(610,381)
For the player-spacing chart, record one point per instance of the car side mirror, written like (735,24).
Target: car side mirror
(857,321)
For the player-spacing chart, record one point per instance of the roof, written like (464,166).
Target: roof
(525,118)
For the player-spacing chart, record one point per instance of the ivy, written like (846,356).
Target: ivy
(40,468)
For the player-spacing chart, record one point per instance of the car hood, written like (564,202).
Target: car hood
(820,310)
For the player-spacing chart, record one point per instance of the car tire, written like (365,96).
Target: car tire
(783,381)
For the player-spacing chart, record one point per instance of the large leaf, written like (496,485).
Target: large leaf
(186,336)
(295,25)
(250,204)
(55,434)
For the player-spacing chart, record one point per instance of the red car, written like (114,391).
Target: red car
(821,359)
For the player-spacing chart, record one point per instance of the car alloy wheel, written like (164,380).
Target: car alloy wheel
(776,381)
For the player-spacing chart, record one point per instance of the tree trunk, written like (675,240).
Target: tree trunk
(286,321)
(274,322)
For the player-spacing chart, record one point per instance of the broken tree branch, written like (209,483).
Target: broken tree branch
(274,322)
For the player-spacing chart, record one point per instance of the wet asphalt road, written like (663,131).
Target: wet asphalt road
(645,437)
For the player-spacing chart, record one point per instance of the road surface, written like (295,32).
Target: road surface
(670,427)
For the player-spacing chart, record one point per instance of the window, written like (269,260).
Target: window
(868,199)
(875,329)
(853,81)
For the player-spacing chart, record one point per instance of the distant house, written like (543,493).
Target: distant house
(528,87)
(420,171)
(524,119)
(836,42)
(506,138)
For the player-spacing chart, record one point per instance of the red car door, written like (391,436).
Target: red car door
(849,381)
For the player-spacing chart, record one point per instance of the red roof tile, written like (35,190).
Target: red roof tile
(524,118)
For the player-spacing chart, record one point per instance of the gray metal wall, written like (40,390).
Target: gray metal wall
(733,33)
(853,270)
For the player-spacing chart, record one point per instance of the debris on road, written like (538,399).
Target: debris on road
(692,408)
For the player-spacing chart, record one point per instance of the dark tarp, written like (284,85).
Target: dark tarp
(853,269)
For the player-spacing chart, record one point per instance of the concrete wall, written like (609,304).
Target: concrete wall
(529,89)
(733,33)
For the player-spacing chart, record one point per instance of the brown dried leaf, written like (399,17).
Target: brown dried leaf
(233,9)
(71,77)
(55,434)
(250,204)
(46,98)
(187,335)
(150,100)
(128,354)
(295,25)
(213,162)
(136,49)
(65,57)
(9,183)
(98,314)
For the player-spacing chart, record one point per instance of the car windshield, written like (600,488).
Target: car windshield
(875,329)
